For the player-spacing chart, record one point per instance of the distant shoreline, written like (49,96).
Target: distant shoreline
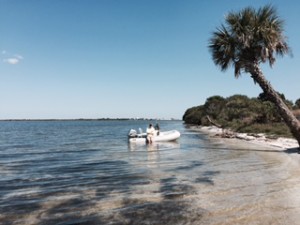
(82,119)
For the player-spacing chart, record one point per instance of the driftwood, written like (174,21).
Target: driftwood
(225,132)
(212,122)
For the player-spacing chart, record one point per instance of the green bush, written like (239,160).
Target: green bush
(240,113)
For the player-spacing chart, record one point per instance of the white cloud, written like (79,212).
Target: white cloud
(19,56)
(12,61)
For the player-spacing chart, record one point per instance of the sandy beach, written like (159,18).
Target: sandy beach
(257,141)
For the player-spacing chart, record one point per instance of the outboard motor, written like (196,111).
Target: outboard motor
(132,133)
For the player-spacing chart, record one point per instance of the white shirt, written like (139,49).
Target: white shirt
(150,131)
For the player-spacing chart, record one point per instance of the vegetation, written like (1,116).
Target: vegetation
(241,114)
(247,39)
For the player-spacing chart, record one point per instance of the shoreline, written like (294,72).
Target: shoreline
(283,144)
(258,142)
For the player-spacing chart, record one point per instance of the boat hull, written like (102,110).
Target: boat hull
(172,135)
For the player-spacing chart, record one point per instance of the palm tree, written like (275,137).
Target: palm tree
(247,39)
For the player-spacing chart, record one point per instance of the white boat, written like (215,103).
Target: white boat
(172,135)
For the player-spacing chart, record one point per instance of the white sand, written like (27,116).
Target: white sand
(287,146)
(283,144)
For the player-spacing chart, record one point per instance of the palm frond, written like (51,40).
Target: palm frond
(248,36)
(222,47)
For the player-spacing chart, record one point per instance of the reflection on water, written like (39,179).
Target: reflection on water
(154,150)
(155,146)
(87,173)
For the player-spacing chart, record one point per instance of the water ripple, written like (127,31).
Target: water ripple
(85,172)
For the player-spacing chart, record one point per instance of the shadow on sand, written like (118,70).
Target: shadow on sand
(292,151)
(85,202)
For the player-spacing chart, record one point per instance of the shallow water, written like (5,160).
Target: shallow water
(85,172)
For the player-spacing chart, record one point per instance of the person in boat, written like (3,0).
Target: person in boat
(157,128)
(150,133)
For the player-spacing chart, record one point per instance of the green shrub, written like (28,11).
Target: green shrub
(241,114)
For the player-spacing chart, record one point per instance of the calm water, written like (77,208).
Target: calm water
(85,172)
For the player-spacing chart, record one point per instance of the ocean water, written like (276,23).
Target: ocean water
(85,172)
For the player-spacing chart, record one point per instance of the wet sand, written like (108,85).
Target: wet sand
(278,200)
(259,142)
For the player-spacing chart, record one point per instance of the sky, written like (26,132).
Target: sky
(70,59)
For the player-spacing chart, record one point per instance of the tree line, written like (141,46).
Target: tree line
(242,114)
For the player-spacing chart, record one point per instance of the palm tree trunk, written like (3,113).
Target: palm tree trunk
(289,118)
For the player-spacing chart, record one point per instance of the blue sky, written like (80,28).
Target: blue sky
(64,59)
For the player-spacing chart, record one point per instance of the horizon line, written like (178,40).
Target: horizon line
(89,119)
